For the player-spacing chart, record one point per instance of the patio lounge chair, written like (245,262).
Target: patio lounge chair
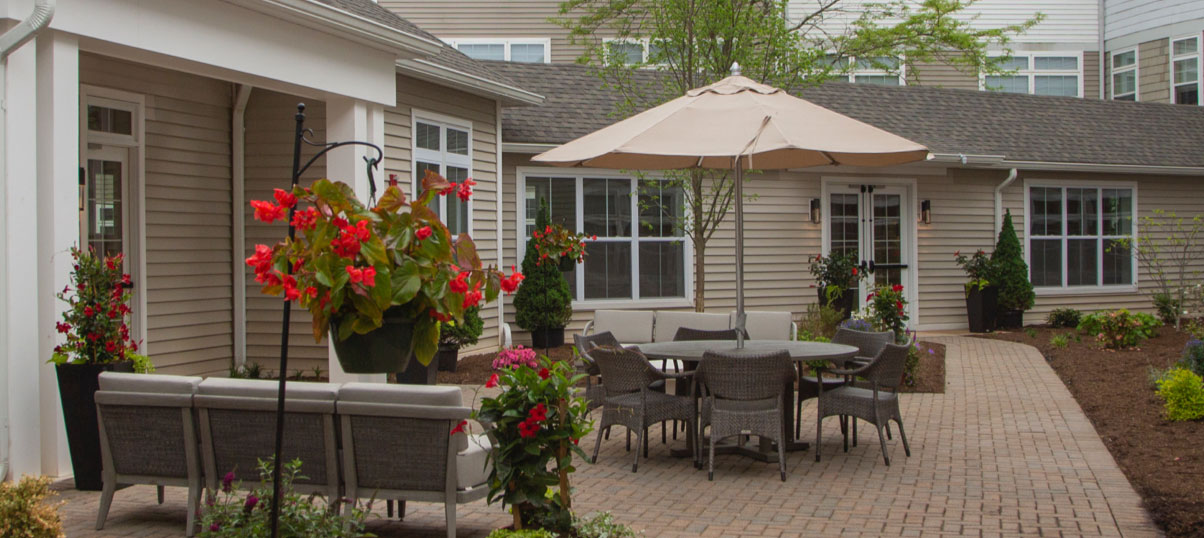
(147,436)
(868,345)
(397,445)
(743,394)
(878,404)
(631,400)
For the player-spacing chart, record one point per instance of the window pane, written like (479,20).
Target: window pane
(606,207)
(1064,85)
(662,269)
(607,270)
(888,226)
(104,206)
(1015,63)
(656,52)
(628,53)
(527,52)
(1118,263)
(561,194)
(1007,84)
(877,80)
(660,209)
(1082,213)
(1187,94)
(427,136)
(1124,83)
(1186,70)
(878,63)
(420,169)
(843,222)
(1080,262)
(1046,261)
(457,141)
(110,120)
(483,51)
(1186,46)
(837,63)
(1118,212)
(1059,63)
(1046,206)
(1124,59)
(457,211)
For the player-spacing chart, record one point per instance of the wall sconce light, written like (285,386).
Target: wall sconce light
(926,211)
(816,216)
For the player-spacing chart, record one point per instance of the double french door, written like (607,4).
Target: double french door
(872,223)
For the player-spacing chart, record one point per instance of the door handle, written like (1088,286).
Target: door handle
(872,266)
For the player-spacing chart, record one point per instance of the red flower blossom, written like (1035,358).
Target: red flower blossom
(450,188)
(284,198)
(347,245)
(896,288)
(261,260)
(125,280)
(423,233)
(361,230)
(459,427)
(62,327)
(493,379)
(110,346)
(510,283)
(365,276)
(527,429)
(899,305)
(267,211)
(311,291)
(110,264)
(473,297)
(441,317)
(543,374)
(339,222)
(465,191)
(88,311)
(305,219)
(539,413)
(458,284)
(113,314)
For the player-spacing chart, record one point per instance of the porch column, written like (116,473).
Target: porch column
(348,119)
(57,223)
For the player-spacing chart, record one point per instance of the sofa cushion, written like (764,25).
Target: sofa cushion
(264,388)
(667,323)
(767,325)
(471,463)
(628,326)
(148,383)
(401,394)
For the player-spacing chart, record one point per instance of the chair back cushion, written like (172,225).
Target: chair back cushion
(766,325)
(667,323)
(744,377)
(403,398)
(628,326)
(149,384)
(867,343)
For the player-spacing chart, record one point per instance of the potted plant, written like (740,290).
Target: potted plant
(377,279)
(453,336)
(981,295)
(543,305)
(98,339)
(836,278)
(1011,275)
(554,244)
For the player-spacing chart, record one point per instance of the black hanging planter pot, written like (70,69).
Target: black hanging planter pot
(1010,319)
(980,308)
(78,384)
(547,338)
(845,300)
(566,264)
(447,356)
(383,351)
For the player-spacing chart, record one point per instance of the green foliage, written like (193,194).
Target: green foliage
(1064,318)
(1168,307)
(228,513)
(1059,341)
(1030,332)
(978,269)
(820,321)
(1011,273)
(601,525)
(524,533)
(1120,329)
(543,301)
(249,370)
(462,333)
(94,321)
(536,421)
(1183,392)
(836,273)
(1170,248)
(25,510)
(1193,356)
(888,311)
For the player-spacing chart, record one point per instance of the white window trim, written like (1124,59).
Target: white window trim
(852,75)
(442,156)
(1199,66)
(1065,288)
(1113,71)
(134,244)
(602,304)
(506,43)
(1032,72)
(642,42)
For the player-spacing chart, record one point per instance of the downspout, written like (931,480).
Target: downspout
(43,11)
(238,150)
(999,199)
(503,339)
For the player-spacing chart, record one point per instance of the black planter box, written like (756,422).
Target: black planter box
(845,301)
(417,374)
(1010,319)
(78,384)
(547,338)
(447,356)
(981,308)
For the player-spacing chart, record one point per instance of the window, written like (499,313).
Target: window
(639,253)
(445,147)
(1124,75)
(1075,233)
(1038,74)
(1185,71)
(634,51)
(537,50)
(880,70)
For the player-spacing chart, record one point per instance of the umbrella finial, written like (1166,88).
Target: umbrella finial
(735,69)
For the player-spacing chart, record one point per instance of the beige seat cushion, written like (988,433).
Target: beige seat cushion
(401,394)
(767,325)
(471,469)
(264,388)
(148,383)
(628,326)
(667,323)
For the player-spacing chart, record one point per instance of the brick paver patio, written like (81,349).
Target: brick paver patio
(1005,451)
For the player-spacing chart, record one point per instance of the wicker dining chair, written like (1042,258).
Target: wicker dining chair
(685,334)
(743,394)
(868,345)
(630,400)
(878,404)
(594,393)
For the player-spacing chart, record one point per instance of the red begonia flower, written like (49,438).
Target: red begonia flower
(284,198)
(267,211)
(493,380)
(423,233)
(458,284)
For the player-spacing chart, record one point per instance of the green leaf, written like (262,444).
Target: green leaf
(405,282)
(426,339)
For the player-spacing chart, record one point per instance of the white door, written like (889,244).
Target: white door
(105,222)
(872,222)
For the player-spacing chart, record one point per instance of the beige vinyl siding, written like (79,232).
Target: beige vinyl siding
(482,18)
(269,131)
(941,74)
(413,94)
(188,282)
(1153,60)
(1091,74)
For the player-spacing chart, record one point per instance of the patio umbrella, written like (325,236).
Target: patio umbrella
(736,124)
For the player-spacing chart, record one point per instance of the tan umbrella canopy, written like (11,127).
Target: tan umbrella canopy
(738,124)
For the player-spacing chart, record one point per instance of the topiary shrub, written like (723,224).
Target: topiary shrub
(1183,392)
(543,300)
(1065,318)
(464,333)
(25,512)
(1010,271)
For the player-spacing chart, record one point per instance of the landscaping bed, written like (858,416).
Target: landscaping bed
(1164,460)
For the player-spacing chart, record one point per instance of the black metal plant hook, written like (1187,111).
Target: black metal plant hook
(298,169)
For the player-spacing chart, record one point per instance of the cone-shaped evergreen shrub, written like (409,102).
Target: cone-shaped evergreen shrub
(1009,271)
(543,300)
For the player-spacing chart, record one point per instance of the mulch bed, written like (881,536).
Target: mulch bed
(1164,460)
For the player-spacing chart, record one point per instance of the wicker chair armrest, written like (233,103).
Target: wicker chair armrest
(854,371)
(589,325)
(678,375)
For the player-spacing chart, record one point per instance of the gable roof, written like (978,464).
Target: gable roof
(1014,127)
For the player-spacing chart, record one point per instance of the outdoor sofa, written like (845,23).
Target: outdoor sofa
(644,326)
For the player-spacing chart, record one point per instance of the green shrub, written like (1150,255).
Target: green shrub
(525,533)
(1168,307)
(601,525)
(1059,341)
(1030,332)
(464,333)
(820,321)
(1183,392)
(1011,273)
(1120,329)
(1193,356)
(25,512)
(543,300)
(888,311)
(1065,318)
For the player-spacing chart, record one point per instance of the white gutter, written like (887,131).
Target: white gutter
(1000,162)
(526,147)
(501,298)
(43,11)
(427,70)
(238,150)
(1012,174)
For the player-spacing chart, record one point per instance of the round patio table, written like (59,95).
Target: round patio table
(693,351)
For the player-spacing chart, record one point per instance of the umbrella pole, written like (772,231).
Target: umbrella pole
(739,253)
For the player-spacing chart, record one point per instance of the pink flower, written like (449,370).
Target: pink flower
(227,481)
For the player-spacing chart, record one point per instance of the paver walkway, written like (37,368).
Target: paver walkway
(1005,451)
